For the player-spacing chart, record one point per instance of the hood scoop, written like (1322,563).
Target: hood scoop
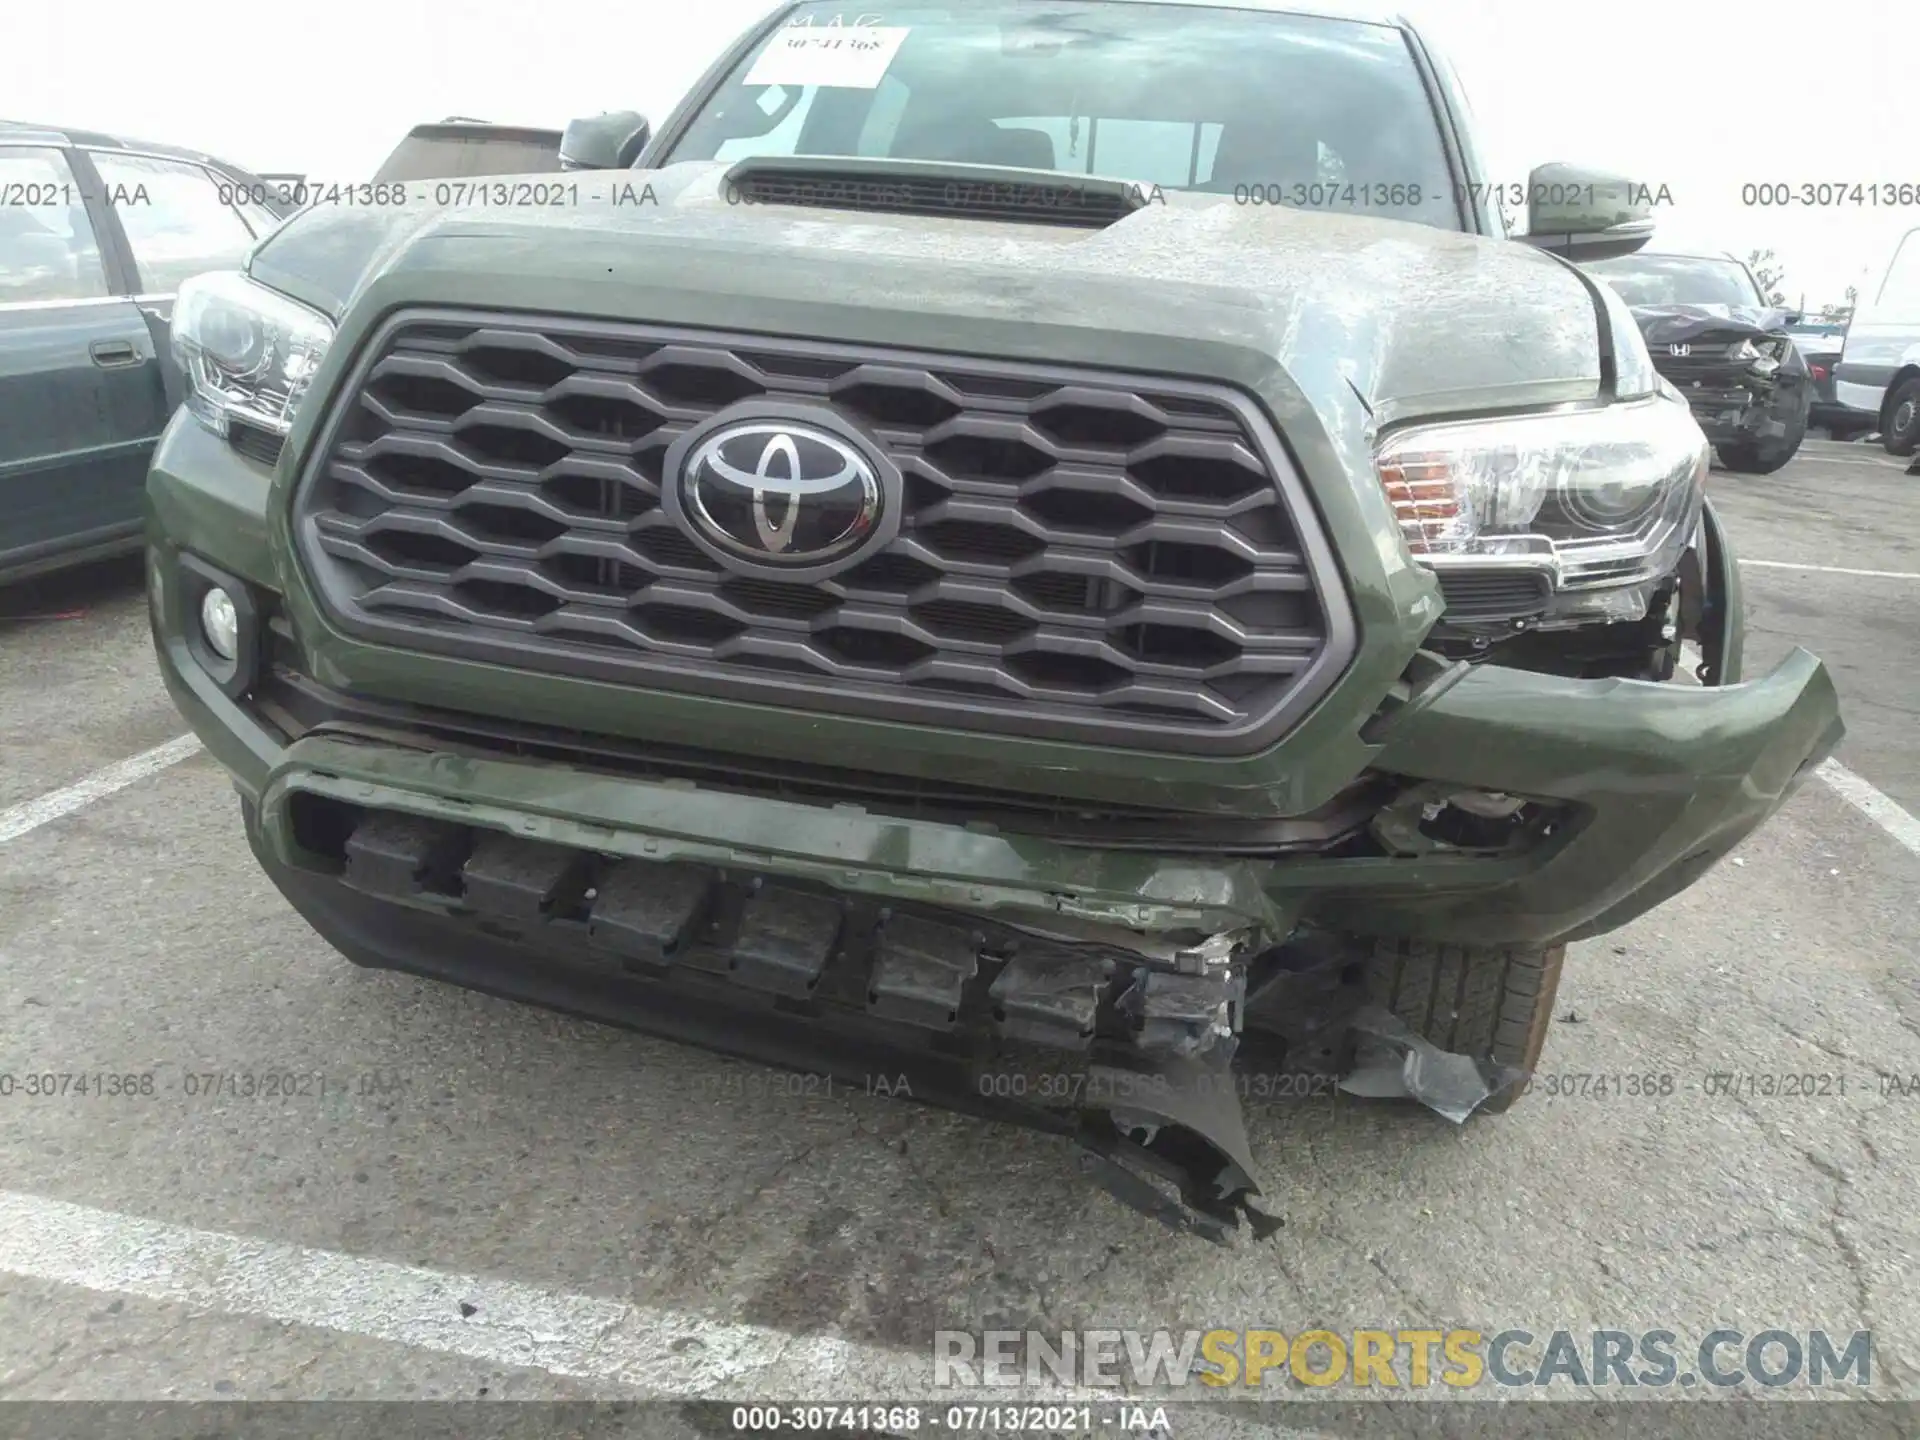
(948,189)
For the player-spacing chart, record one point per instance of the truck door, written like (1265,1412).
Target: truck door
(81,398)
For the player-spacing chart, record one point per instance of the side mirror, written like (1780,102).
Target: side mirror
(1584,214)
(612,141)
(1794,317)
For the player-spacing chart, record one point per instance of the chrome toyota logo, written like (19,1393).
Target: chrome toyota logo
(791,491)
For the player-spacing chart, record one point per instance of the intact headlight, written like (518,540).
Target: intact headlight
(1596,498)
(248,353)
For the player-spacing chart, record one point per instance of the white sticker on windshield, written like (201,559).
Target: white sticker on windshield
(845,56)
(772,98)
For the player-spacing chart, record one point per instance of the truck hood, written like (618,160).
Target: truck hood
(1671,324)
(1405,316)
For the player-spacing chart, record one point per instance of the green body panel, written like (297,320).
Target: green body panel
(1331,322)
(1335,325)
(1670,777)
(222,514)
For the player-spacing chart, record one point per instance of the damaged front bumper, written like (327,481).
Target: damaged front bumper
(1733,398)
(1097,993)
(1131,1058)
(1737,412)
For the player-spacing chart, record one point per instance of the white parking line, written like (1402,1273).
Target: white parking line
(31,815)
(498,1322)
(1831,569)
(1897,466)
(1883,811)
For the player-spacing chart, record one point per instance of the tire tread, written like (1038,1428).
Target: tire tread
(1493,1003)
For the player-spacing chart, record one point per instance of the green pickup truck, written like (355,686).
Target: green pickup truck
(1044,557)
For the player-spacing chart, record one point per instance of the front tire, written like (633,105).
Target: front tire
(1490,1002)
(1902,433)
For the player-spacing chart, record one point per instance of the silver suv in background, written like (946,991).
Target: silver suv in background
(1879,369)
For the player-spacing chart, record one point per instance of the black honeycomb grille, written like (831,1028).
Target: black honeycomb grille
(1081,556)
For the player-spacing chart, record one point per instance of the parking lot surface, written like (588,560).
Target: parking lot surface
(476,1199)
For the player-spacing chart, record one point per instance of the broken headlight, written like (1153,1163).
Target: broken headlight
(248,353)
(1598,500)
(1763,356)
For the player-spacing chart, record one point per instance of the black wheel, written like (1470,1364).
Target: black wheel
(1763,457)
(1490,1002)
(1902,432)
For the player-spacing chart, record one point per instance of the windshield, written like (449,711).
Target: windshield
(1679,280)
(1276,109)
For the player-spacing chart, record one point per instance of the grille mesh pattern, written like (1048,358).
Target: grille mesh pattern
(1077,557)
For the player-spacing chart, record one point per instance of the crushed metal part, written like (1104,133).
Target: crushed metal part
(1391,1062)
(1087,1038)
(1185,1015)
(1155,1105)
(1214,951)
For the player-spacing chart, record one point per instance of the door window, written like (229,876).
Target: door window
(174,217)
(262,221)
(47,248)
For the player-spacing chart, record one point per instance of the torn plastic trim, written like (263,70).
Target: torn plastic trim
(1192,952)
(1392,1062)
(1170,1141)
(1711,608)
(1158,1118)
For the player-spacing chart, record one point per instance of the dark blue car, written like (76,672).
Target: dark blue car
(96,234)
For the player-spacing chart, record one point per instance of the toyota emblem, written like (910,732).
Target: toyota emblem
(773,488)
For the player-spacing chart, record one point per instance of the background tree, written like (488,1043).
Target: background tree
(1842,313)
(1770,273)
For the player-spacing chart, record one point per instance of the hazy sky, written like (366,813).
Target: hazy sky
(1702,98)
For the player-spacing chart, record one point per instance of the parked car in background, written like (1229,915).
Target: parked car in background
(97,232)
(1712,333)
(1819,342)
(1879,369)
(456,148)
(459,148)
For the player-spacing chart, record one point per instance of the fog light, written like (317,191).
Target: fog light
(220,623)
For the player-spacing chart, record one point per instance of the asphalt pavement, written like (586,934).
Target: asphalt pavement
(471,1199)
